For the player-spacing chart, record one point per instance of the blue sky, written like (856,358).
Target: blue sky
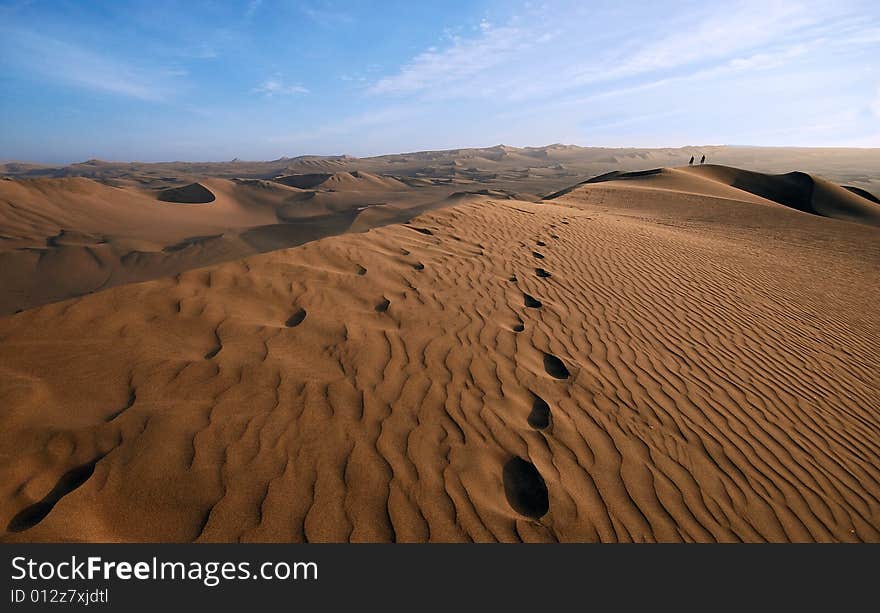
(259,79)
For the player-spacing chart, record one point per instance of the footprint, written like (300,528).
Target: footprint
(539,418)
(32,515)
(531,302)
(525,489)
(132,398)
(554,367)
(383,306)
(419,266)
(361,271)
(542,273)
(537,255)
(296,319)
(217,347)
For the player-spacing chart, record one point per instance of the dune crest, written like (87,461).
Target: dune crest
(796,190)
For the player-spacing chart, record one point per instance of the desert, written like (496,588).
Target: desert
(296,272)
(554,344)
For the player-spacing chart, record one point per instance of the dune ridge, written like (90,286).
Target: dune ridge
(796,190)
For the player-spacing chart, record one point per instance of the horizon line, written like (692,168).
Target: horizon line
(237,160)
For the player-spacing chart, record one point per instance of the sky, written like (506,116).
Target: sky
(158,80)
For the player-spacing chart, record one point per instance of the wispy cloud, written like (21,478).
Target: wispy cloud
(252,7)
(71,64)
(463,59)
(325,14)
(548,51)
(275,86)
(715,35)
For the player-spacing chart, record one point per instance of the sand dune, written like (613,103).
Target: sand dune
(303,181)
(863,193)
(532,170)
(349,181)
(799,191)
(194,193)
(64,237)
(795,190)
(671,357)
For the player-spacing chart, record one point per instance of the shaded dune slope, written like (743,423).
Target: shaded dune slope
(194,193)
(675,377)
(863,193)
(303,181)
(796,190)
(354,180)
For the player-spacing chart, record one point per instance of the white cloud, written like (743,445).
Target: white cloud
(739,27)
(555,49)
(463,59)
(275,86)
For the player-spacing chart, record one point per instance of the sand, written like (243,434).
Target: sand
(140,221)
(672,356)
(125,234)
(526,170)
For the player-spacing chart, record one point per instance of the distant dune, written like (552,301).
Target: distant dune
(796,190)
(800,191)
(674,354)
(354,181)
(535,170)
(129,233)
(304,181)
(194,193)
(863,193)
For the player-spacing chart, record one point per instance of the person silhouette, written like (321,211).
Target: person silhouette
(691,163)
(703,160)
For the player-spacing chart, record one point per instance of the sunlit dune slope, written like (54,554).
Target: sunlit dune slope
(619,364)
